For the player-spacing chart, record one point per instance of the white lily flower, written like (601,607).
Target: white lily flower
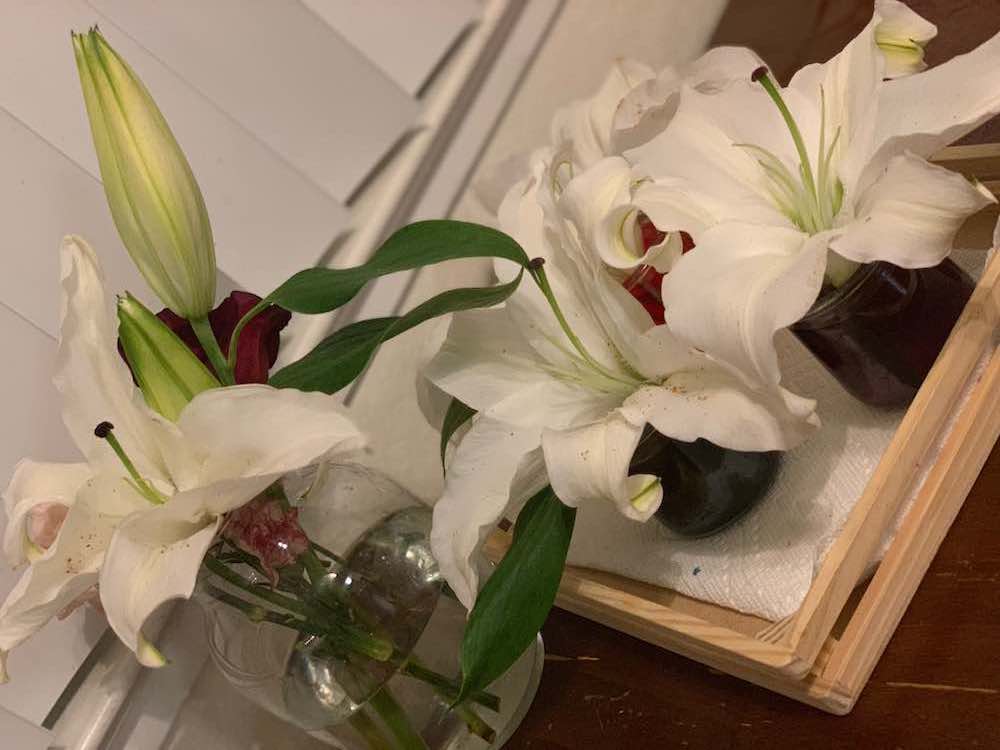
(767,180)
(902,35)
(577,388)
(140,531)
(633,104)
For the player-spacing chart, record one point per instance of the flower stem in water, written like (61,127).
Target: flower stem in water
(396,721)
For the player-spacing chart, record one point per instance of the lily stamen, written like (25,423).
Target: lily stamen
(763,77)
(537,270)
(105,431)
(811,200)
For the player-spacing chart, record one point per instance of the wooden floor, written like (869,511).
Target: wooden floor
(938,684)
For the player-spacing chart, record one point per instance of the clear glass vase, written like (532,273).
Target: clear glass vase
(372,663)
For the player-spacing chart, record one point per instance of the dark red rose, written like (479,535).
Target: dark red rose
(258,347)
(645,282)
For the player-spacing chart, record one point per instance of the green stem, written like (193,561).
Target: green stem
(332,555)
(314,566)
(475,722)
(538,274)
(234,339)
(273,597)
(364,725)
(396,720)
(145,488)
(448,688)
(203,330)
(448,691)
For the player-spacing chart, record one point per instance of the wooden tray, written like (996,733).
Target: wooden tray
(825,652)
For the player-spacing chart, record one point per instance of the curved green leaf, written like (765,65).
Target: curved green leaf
(320,290)
(515,601)
(339,358)
(458,414)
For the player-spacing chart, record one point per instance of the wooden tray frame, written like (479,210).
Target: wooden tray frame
(825,652)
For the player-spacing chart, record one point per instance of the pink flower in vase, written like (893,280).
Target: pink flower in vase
(269,531)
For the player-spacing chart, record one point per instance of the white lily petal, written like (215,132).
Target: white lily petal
(849,82)
(497,180)
(598,204)
(901,35)
(719,67)
(70,566)
(154,557)
(698,154)
(645,110)
(476,495)
(573,134)
(648,108)
(590,463)
(925,112)
(33,484)
(761,279)
(624,76)
(522,217)
(672,205)
(712,404)
(910,215)
(94,382)
(484,359)
(664,255)
(583,129)
(265,431)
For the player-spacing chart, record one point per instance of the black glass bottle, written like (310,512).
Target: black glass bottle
(705,488)
(880,333)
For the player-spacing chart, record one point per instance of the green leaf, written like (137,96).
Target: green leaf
(515,601)
(320,290)
(339,358)
(458,414)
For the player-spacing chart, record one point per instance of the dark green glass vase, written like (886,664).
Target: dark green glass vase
(705,488)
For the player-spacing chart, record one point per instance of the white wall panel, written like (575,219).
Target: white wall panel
(268,219)
(406,40)
(283,74)
(46,196)
(22,734)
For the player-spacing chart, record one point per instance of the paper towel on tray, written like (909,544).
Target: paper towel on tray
(763,565)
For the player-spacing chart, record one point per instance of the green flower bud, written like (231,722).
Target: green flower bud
(168,373)
(155,201)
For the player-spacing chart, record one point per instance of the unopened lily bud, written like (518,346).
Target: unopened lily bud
(154,198)
(168,373)
(901,35)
